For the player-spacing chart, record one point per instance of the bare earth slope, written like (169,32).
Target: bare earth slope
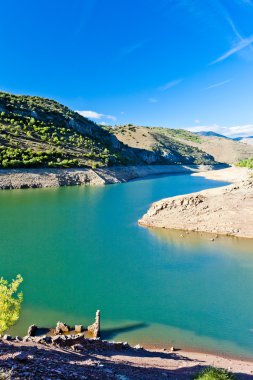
(226,210)
(225,150)
(173,143)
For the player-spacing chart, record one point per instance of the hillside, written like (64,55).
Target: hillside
(40,132)
(163,144)
(178,144)
(245,140)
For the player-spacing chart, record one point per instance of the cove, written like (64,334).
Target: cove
(80,249)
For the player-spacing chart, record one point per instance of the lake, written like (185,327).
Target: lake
(80,249)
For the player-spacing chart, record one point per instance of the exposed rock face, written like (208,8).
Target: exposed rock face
(41,178)
(61,328)
(32,330)
(227,210)
(94,329)
(78,328)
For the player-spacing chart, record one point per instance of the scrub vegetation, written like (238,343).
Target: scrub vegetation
(38,132)
(215,374)
(10,302)
(246,163)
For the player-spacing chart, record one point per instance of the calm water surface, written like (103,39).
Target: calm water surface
(80,249)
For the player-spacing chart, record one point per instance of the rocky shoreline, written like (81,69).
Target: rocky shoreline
(43,178)
(76,357)
(227,210)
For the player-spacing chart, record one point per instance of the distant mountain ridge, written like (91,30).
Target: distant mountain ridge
(211,133)
(242,138)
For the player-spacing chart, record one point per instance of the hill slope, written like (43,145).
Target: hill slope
(39,132)
(36,131)
(163,144)
(178,144)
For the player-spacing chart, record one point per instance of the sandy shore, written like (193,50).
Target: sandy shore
(232,174)
(226,210)
(41,178)
(31,360)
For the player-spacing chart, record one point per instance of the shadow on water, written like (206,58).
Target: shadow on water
(42,331)
(111,333)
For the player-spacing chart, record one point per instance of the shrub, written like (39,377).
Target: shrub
(10,302)
(246,163)
(215,374)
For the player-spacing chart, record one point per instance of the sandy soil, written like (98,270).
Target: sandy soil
(227,210)
(232,174)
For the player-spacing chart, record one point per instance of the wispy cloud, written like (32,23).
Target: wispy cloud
(170,84)
(96,115)
(232,131)
(245,2)
(152,100)
(242,44)
(131,48)
(219,84)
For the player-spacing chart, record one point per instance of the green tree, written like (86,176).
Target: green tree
(10,302)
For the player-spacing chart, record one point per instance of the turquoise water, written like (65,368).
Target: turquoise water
(80,249)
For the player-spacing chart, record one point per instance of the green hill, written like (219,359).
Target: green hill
(36,132)
(40,132)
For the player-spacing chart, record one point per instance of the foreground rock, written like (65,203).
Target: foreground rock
(40,178)
(227,210)
(80,358)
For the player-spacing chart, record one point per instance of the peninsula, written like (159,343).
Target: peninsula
(227,210)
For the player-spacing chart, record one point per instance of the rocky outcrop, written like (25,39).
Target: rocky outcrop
(94,329)
(42,178)
(227,210)
(61,328)
(32,330)
(78,358)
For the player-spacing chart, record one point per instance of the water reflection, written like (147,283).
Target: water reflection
(192,239)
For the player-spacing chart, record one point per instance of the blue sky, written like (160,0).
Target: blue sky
(171,63)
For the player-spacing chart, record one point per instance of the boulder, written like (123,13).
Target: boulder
(138,347)
(77,347)
(78,328)
(32,330)
(21,357)
(7,337)
(61,328)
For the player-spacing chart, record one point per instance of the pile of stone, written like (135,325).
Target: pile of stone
(78,338)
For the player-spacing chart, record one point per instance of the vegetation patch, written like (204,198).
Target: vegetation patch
(37,132)
(215,374)
(246,163)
